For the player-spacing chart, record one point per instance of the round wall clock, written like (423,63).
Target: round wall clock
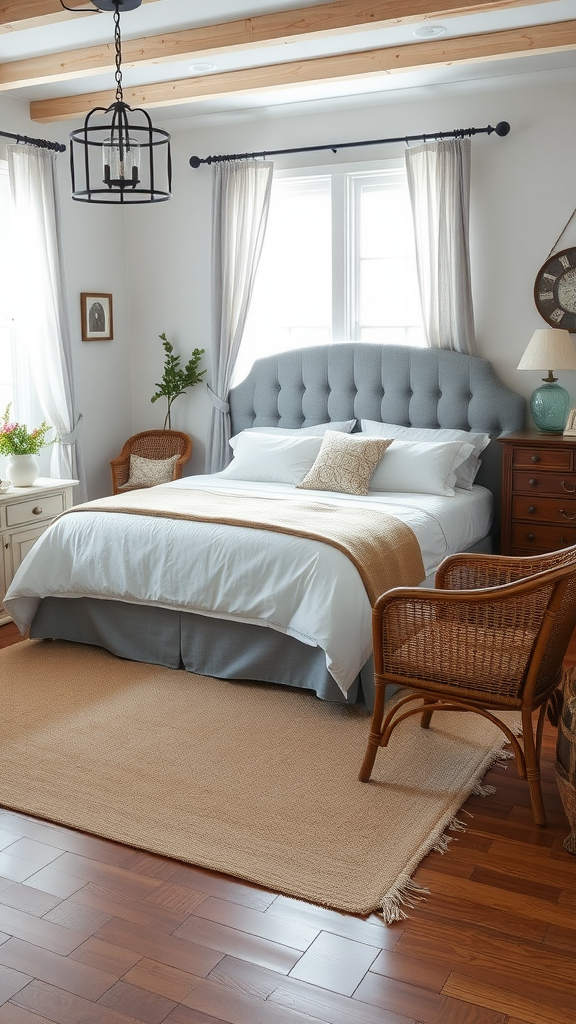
(555,290)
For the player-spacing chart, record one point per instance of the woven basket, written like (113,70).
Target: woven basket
(566,754)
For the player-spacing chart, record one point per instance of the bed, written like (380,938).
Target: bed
(320,641)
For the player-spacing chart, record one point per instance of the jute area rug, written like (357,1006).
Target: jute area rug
(256,781)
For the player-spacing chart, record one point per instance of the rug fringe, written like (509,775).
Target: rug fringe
(405,893)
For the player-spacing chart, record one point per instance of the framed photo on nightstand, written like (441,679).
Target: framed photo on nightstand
(96,315)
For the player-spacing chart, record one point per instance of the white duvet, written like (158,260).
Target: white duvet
(298,586)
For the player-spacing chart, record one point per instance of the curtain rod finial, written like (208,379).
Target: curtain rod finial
(195,161)
(502,128)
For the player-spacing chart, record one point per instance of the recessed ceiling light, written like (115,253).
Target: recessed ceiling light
(202,67)
(429,31)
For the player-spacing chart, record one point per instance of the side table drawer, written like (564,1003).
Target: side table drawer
(544,458)
(534,482)
(544,510)
(540,538)
(42,507)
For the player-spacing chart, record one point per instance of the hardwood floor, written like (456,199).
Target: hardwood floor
(92,932)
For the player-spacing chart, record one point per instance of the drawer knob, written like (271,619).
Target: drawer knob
(529,536)
(535,458)
(569,490)
(533,482)
(567,515)
(37,510)
(531,508)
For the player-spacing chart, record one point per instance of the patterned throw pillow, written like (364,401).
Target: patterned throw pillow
(148,472)
(345,463)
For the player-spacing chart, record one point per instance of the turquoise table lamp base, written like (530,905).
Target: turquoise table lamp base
(550,405)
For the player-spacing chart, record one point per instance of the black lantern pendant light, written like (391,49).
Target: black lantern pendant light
(125,159)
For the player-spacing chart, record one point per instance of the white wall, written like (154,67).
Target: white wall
(522,194)
(156,260)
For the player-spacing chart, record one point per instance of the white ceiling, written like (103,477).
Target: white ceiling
(161,16)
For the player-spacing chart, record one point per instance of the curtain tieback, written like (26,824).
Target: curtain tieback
(217,402)
(72,436)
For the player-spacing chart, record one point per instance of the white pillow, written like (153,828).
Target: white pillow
(465,473)
(272,458)
(318,430)
(420,466)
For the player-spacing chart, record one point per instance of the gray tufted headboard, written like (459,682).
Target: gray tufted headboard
(390,383)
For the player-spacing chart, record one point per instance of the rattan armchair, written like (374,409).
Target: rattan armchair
(491,637)
(150,444)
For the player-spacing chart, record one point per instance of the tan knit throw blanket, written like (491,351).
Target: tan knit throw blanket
(383,549)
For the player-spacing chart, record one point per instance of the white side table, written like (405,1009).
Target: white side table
(25,512)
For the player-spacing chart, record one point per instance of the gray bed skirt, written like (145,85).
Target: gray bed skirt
(198,643)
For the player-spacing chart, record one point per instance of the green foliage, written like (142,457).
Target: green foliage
(176,379)
(16,439)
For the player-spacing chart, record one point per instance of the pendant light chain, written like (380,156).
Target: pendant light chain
(118,46)
(122,157)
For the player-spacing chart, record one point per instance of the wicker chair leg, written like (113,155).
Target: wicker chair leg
(426,717)
(532,760)
(369,757)
(375,735)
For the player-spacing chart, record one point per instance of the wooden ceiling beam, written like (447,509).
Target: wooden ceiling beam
(365,64)
(204,41)
(16,15)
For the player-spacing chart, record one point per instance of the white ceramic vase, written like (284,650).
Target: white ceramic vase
(21,470)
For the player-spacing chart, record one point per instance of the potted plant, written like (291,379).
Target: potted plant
(21,445)
(176,379)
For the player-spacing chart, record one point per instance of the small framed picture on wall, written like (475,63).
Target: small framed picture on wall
(96,314)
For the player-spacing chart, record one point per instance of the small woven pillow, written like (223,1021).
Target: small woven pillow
(345,463)
(148,472)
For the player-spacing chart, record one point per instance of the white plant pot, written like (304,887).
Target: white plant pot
(21,470)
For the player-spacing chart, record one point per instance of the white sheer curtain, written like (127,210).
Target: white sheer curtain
(41,318)
(241,198)
(439,183)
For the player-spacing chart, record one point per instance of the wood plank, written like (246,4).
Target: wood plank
(247,34)
(297,936)
(23,14)
(481,947)
(365,64)
(484,994)
(335,963)
(499,900)
(55,969)
(62,1007)
(398,997)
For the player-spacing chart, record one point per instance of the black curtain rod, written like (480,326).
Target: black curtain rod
(41,143)
(502,128)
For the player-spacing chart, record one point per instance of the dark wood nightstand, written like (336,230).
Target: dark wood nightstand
(538,492)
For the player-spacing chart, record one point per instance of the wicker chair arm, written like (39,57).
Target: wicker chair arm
(120,470)
(476,571)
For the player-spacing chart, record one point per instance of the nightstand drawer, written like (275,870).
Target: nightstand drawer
(540,538)
(42,507)
(544,510)
(534,482)
(544,458)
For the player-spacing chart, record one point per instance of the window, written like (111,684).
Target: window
(338,264)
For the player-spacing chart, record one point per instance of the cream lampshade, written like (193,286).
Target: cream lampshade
(549,349)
